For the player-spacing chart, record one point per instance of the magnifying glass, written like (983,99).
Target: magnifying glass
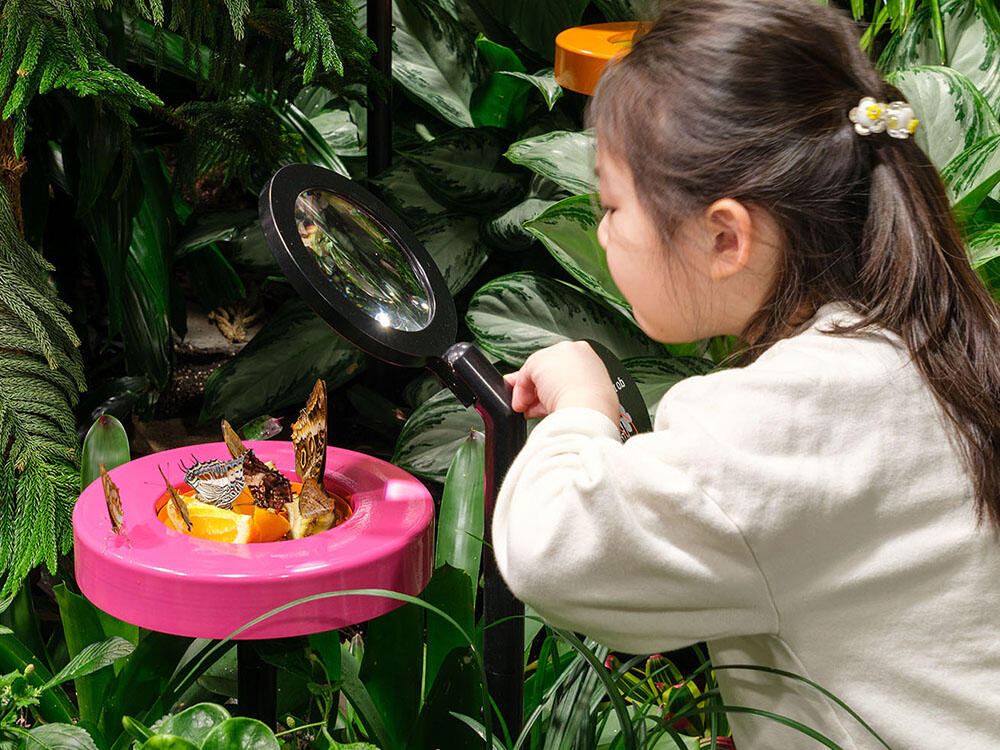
(362,270)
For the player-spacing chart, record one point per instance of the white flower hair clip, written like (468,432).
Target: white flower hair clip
(895,118)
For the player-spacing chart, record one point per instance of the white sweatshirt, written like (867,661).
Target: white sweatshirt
(807,512)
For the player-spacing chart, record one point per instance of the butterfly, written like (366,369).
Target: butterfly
(267,486)
(315,509)
(114,502)
(216,482)
(309,436)
(175,499)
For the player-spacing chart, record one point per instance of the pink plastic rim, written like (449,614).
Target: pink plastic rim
(160,579)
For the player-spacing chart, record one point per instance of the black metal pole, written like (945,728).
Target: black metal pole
(256,685)
(480,385)
(379,97)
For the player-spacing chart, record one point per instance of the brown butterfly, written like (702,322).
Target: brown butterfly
(316,510)
(309,436)
(177,501)
(114,502)
(267,486)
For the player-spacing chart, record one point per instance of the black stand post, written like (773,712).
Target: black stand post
(477,383)
(379,102)
(256,687)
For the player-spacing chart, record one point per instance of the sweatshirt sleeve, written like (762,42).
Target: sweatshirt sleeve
(617,540)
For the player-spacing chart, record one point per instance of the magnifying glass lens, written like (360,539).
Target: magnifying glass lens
(363,261)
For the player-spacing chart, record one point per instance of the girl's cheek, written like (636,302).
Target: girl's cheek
(603,232)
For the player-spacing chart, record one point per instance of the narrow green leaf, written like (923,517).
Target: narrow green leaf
(972,174)
(452,591)
(544,81)
(984,244)
(460,518)
(92,658)
(506,232)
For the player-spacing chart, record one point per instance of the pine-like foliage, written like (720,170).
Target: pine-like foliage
(41,377)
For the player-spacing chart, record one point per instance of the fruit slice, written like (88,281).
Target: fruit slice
(269,526)
(217,524)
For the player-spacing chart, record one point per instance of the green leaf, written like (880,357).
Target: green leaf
(536,24)
(241,732)
(106,443)
(203,229)
(58,737)
(452,591)
(432,59)
(506,232)
(465,170)
(92,658)
(515,315)
(433,433)
(544,81)
(136,729)
(454,243)
(392,666)
(565,157)
(973,45)
(360,700)
(953,114)
(454,691)
(82,628)
(340,131)
(460,518)
(169,742)
(499,100)
(400,189)
(279,366)
(194,723)
(53,704)
(318,151)
(656,375)
(972,174)
(249,249)
(984,244)
(569,231)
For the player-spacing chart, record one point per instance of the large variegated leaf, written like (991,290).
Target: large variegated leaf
(984,244)
(399,187)
(279,366)
(432,59)
(569,231)
(973,45)
(515,315)
(656,375)
(953,114)
(453,242)
(433,433)
(342,130)
(465,170)
(544,81)
(972,174)
(564,157)
(506,231)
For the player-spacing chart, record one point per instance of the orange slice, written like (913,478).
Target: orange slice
(216,524)
(268,525)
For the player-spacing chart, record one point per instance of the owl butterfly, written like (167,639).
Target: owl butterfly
(309,436)
(114,501)
(216,482)
(268,487)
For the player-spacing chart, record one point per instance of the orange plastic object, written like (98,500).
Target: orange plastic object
(583,51)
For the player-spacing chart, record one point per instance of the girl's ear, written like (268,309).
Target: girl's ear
(730,238)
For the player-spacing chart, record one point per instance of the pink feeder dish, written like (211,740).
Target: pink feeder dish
(160,579)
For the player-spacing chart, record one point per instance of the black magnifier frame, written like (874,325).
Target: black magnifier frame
(399,347)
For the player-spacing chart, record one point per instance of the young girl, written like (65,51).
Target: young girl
(831,508)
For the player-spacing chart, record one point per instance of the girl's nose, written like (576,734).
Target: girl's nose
(602,231)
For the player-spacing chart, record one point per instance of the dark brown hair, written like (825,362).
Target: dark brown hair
(748,99)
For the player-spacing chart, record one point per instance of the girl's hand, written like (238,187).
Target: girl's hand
(566,374)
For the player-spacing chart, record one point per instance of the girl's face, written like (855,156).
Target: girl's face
(664,290)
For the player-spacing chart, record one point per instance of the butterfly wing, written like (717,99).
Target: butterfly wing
(177,501)
(114,502)
(269,488)
(233,442)
(217,483)
(309,436)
